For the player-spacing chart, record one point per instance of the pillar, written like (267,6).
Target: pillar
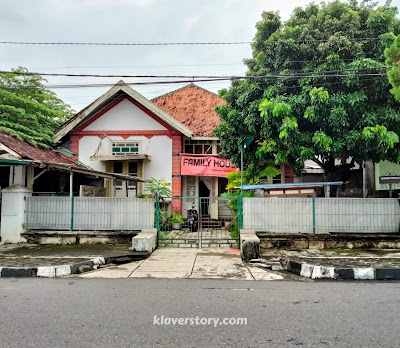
(176,173)
(13,213)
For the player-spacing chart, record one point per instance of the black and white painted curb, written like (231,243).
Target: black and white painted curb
(65,270)
(52,271)
(326,272)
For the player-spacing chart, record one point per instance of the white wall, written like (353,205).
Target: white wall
(125,116)
(158,147)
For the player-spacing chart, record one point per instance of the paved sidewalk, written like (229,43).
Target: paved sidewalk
(32,255)
(212,263)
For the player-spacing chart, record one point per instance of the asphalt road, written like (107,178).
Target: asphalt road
(76,312)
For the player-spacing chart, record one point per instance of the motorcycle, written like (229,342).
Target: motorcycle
(193,219)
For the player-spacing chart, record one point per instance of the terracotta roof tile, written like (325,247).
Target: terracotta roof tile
(194,107)
(27,151)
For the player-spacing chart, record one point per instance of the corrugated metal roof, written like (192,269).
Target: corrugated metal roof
(27,151)
(291,185)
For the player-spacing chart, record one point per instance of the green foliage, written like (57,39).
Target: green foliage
(336,87)
(253,175)
(392,55)
(160,188)
(28,110)
(176,218)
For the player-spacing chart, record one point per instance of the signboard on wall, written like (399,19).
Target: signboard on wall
(389,179)
(206,166)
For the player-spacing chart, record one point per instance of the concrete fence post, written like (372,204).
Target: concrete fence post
(13,213)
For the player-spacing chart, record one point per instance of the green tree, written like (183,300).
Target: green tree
(316,89)
(392,55)
(28,110)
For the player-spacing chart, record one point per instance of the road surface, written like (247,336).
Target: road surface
(76,312)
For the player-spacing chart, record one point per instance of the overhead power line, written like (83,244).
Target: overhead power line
(178,43)
(271,74)
(123,43)
(288,77)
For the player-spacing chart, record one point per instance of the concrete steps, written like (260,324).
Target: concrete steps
(194,243)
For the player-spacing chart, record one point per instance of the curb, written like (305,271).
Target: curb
(64,270)
(307,270)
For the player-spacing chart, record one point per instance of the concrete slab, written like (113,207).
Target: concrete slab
(154,274)
(122,271)
(263,274)
(210,263)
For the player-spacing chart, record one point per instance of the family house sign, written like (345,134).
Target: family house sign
(206,166)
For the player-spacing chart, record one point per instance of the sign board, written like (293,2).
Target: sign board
(392,179)
(206,166)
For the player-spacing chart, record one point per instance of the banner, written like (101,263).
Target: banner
(206,166)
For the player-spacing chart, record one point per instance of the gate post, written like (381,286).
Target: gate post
(313,212)
(72,212)
(157,222)
(240,211)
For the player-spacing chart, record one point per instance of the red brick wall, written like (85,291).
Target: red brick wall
(176,173)
(74,147)
(289,174)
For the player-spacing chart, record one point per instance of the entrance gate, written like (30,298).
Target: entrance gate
(216,224)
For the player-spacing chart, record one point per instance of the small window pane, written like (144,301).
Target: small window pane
(189,149)
(198,149)
(133,168)
(118,167)
(125,149)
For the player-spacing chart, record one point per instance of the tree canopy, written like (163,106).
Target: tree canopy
(392,54)
(316,88)
(28,110)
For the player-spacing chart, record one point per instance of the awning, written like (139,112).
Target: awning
(120,158)
(74,169)
(291,185)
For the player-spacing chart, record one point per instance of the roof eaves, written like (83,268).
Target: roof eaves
(119,86)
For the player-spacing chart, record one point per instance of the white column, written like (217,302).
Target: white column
(13,213)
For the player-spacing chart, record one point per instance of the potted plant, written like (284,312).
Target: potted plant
(176,220)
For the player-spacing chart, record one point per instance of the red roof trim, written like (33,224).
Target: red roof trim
(115,103)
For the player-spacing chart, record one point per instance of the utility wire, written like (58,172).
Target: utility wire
(179,43)
(91,85)
(272,74)
(187,65)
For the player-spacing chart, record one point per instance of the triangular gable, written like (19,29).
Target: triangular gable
(124,114)
(88,112)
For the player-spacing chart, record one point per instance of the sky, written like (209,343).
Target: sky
(131,21)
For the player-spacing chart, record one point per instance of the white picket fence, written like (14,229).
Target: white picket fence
(90,213)
(346,215)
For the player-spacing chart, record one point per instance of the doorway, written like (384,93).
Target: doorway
(204,194)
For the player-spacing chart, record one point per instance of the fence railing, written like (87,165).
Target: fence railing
(89,213)
(348,215)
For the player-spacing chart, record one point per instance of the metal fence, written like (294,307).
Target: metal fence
(213,213)
(88,213)
(322,215)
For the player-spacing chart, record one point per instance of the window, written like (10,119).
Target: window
(125,167)
(199,147)
(118,168)
(133,171)
(277,179)
(125,148)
